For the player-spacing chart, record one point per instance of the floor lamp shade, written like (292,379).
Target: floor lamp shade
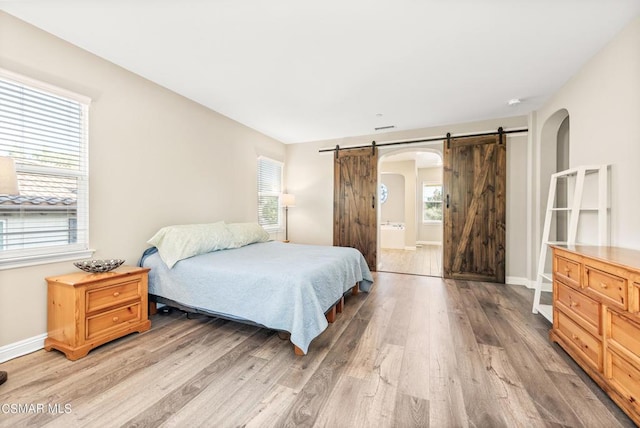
(8,177)
(288,200)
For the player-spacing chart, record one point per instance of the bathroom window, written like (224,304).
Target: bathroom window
(431,202)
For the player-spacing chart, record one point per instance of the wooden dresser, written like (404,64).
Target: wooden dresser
(87,310)
(596,317)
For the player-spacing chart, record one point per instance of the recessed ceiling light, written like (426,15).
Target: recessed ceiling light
(514,101)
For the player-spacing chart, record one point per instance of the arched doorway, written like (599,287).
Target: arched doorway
(409,227)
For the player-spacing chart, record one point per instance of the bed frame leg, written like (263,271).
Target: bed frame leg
(331,315)
(340,305)
(153,308)
(298,351)
(355,290)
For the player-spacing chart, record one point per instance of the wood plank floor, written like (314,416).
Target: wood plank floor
(424,260)
(415,352)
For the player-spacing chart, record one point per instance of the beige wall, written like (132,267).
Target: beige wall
(156,158)
(392,210)
(310,178)
(603,104)
(408,170)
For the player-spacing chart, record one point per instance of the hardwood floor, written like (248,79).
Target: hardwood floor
(415,352)
(424,260)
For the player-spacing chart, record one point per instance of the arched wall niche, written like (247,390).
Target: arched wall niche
(555,157)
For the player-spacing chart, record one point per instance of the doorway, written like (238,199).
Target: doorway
(410,211)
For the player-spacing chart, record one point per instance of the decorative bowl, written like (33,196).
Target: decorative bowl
(96,266)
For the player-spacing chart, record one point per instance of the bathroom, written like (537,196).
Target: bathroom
(410,212)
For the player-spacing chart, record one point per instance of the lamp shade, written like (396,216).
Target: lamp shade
(8,177)
(287,200)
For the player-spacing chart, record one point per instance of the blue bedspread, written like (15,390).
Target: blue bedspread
(279,285)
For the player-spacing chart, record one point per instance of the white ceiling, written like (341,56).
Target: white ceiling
(302,71)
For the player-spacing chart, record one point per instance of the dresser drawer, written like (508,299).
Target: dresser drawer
(624,377)
(612,289)
(584,343)
(567,270)
(115,319)
(634,295)
(576,303)
(113,295)
(623,333)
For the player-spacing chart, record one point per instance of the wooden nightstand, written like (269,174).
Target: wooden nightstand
(87,310)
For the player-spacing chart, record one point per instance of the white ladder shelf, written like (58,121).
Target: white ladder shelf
(544,279)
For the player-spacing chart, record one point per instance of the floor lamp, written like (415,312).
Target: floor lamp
(8,186)
(287,200)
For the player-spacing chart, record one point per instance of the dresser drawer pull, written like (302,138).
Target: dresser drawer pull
(116,294)
(115,319)
(604,285)
(574,304)
(567,270)
(574,337)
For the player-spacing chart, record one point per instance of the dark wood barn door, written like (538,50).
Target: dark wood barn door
(355,201)
(474,181)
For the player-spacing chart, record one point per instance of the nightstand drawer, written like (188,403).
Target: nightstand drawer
(611,288)
(108,321)
(582,306)
(105,297)
(584,343)
(567,270)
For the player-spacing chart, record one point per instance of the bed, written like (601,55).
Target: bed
(281,286)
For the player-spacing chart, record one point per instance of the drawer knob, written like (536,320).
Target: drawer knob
(574,304)
(115,319)
(574,337)
(567,270)
(604,285)
(116,294)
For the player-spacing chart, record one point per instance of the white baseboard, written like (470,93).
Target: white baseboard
(518,280)
(429,242)
(410,248)
(23,347)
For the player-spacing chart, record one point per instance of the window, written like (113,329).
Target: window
(44,129)
(431,202)
(269,190)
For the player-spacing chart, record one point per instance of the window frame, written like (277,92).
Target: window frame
(271,227)
(432,184)
(10,259)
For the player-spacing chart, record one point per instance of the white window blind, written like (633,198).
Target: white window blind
(269,190)
(46,135)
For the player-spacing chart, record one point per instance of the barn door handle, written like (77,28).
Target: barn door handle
(447,200)
(373,201)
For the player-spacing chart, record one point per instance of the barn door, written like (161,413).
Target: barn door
(474,181)
(355,201)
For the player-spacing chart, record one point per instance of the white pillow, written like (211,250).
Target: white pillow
(246,233)
(175,243)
